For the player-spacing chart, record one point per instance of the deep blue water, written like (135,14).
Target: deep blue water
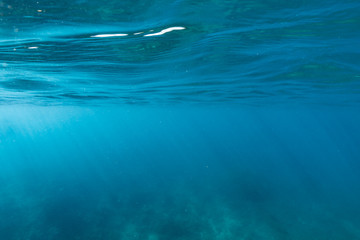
(184,120)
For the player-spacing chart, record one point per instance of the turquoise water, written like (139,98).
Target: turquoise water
(185,120)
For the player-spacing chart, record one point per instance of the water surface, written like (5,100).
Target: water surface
(113,51)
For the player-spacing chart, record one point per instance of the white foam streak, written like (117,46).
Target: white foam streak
(110,35)
(164,31)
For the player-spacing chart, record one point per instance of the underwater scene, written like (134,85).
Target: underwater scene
(178,119)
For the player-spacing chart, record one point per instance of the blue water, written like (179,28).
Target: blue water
(184,120)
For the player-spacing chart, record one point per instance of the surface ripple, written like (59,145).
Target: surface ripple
(179,51)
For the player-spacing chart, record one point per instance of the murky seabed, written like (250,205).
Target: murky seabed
(138,172)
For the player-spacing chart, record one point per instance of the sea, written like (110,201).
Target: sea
(179,120)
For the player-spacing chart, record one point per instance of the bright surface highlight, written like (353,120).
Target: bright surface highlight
(164,31)
(110,35)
